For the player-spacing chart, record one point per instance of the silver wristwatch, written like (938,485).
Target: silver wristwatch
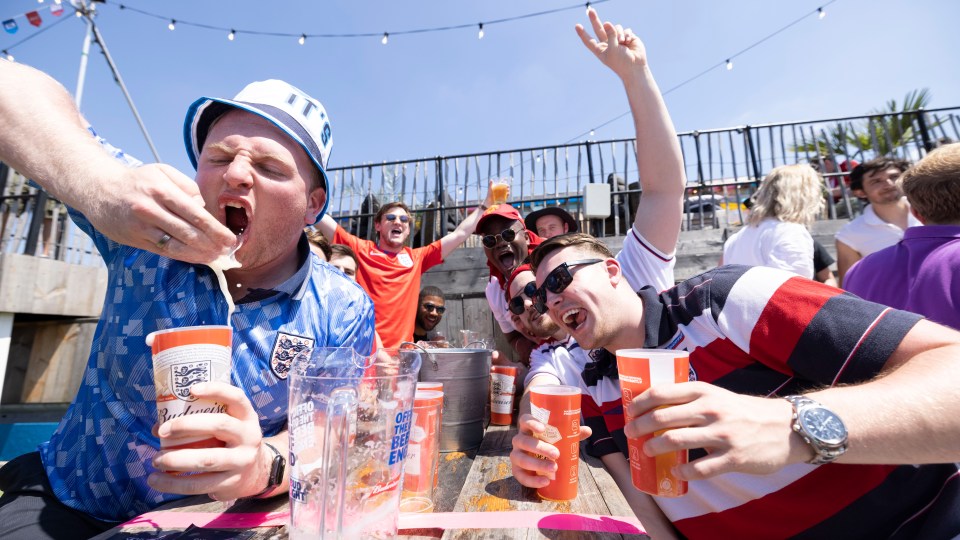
(820,427)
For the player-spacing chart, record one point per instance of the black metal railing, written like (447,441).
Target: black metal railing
(723,168)
(34,223)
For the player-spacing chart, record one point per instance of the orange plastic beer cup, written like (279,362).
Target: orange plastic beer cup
(430,385)
(502,385)
(558,408)
(183,357)
(423,453)
(639,370)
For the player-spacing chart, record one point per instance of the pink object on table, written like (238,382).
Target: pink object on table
(442,520)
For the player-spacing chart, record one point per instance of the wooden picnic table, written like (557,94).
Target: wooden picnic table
(475,481)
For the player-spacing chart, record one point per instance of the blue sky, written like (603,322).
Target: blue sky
(527,83)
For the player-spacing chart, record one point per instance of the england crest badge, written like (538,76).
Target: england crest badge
(183,375)
(288,347)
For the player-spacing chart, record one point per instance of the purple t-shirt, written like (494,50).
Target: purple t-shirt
(921,273)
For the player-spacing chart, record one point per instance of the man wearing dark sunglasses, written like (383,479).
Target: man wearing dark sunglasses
(520,294)
(430,309)
(647,259)
(798,392)
(390,271)
(507,244)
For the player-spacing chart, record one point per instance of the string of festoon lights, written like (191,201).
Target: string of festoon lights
(727,63)
(302,37)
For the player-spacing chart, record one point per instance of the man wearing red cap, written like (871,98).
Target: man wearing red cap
(649,248)
(507,244)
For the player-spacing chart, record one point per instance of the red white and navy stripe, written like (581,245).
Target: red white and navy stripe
(763,331)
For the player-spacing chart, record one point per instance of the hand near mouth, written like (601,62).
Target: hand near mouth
(157,208)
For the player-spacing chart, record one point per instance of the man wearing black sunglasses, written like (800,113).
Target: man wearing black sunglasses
(390,271)
(521,293)
(507,244)
(430,310)
(798,392)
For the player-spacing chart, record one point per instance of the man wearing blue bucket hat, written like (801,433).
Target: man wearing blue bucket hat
(260,160)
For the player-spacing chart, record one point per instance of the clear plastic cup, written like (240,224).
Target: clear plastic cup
(350,422)
(500,190)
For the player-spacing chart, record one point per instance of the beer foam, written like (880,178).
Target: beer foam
(220,265)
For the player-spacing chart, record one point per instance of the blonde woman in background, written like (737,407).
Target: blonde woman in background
(777,234)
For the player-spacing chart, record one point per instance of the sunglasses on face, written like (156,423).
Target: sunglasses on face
(491,240)
(557,281)
(516,303)
(402,218)
(433,307)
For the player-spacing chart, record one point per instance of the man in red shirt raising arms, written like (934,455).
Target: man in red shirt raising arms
(390,271)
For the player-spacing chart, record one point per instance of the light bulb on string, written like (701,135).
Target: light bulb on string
(8,55)
(729,64)
(588,8)
(303,39)
(480,34)
(592,133)
(821,13)
(173,25)
(385,39)
(232,34)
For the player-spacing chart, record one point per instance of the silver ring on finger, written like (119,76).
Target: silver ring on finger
(164,240)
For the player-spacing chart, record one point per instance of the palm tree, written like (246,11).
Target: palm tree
(884,135)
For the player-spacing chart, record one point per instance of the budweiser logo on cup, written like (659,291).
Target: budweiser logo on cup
(502,383)
(183,357)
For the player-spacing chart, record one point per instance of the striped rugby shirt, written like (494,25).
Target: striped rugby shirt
(763,331)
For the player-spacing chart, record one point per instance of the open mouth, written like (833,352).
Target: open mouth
(507,260)
(236,218)
(574,318)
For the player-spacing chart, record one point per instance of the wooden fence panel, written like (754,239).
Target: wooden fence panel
(57,361)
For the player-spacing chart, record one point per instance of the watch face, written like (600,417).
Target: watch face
(823,425)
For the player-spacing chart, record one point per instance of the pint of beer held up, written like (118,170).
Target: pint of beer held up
(500,190)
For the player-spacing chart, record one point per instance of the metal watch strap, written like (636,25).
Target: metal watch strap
(277,466)
(822,454)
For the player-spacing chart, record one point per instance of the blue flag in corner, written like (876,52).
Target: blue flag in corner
(10,26)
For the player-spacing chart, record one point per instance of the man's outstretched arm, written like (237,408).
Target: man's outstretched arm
(46,139)
(466,227)
(659,160)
